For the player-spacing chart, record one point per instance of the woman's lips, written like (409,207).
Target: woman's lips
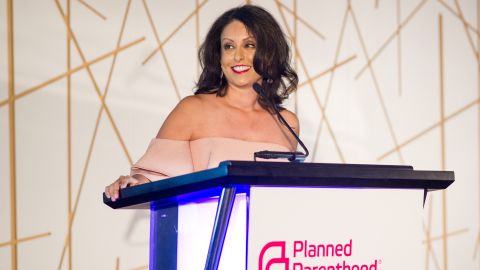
(240,69)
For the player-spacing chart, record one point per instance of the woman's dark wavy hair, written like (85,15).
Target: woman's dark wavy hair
(271,60)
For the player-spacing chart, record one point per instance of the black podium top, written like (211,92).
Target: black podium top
(244,174)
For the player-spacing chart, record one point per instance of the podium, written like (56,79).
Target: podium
(296,216)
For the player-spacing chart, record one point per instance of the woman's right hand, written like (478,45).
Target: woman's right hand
(112,191)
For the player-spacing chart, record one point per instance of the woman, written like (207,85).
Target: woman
(225,119)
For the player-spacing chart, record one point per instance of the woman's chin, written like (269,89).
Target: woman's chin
(240,84)
(243,83)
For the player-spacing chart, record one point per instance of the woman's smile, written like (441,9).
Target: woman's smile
(240,69)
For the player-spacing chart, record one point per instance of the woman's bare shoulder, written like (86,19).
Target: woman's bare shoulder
(188,103)
(182,120)
(291,119)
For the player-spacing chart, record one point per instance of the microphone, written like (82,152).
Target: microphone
(291,156)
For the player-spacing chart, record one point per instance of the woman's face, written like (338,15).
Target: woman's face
(237,52)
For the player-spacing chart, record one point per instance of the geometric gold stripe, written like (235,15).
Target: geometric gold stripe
(331,79)
(74,70)
(312,87)
(330,69)
(79,192)
(375,83)
(390,38)
(119,41)
(80,187)
(82,181)
(465,26)
(300,19)
(430,128)
(112,66)
(69,134)
(399,49)
(442,140)
(470,27)
(92,9)
(95,84)
(24,239)
(12,140)
(440,237)
(160,47)
(198,7)
(104,107)
(72,214)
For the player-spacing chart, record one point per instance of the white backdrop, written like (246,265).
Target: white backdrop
(381,81)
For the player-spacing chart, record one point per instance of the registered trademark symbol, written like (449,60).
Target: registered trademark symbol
(380,261)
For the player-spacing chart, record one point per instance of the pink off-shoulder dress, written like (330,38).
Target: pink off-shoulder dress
(166,158)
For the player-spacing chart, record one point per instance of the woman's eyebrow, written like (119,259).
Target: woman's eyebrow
(246,38)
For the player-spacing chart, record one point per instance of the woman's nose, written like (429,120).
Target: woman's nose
(239,54)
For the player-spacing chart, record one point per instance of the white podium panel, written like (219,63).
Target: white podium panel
(195,223)
(334,229)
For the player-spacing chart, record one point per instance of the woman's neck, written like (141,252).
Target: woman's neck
(242,98)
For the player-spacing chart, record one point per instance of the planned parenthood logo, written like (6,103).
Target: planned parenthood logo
(308,256)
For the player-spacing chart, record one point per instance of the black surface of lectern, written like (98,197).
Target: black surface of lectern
(233,177)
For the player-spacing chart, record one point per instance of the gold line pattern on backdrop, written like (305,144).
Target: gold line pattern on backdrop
(394,82)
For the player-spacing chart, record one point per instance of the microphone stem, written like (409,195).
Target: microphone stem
(284,122)
(259,89)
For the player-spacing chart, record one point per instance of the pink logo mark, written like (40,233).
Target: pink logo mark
(282,260)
